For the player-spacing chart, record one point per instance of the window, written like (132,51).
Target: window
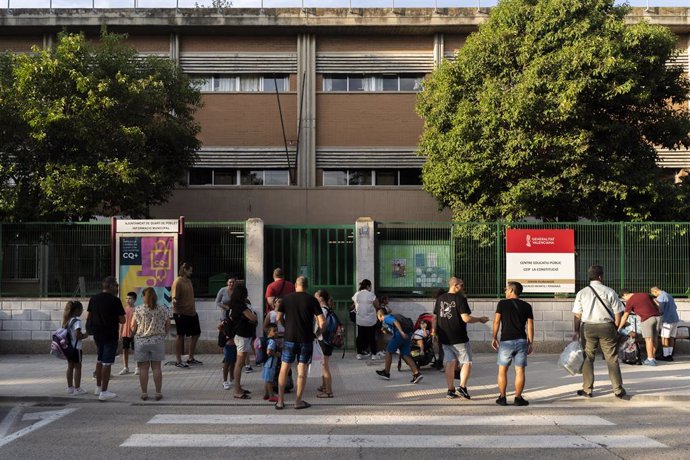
(221,83)
(378,177)
(357,82)
(21,262)
(229,176)
(224,177)
(200,176)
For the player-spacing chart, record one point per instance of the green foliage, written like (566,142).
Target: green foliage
(553,109)
(92,129)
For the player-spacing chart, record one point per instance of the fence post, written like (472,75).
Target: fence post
(254,267)
(365,247)
(499,283)
(621,240)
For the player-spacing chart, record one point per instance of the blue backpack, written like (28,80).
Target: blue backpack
(332,333)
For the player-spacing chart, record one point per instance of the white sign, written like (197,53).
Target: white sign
(147,226)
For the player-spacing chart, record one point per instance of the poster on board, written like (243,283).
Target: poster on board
(542,260)
(146,257)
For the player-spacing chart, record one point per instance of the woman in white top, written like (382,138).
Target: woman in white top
(365,305)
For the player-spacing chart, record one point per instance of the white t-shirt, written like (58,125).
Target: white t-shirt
(364,306)
(76,324)
(272,318)
(420,334)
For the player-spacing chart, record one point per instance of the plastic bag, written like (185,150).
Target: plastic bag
(315,369)
(572,358)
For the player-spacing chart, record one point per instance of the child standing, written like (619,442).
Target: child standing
(269,369)
(126,333)
(421,334)
(71,320)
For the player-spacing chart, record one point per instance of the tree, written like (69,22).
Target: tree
(554,109)
(92,129)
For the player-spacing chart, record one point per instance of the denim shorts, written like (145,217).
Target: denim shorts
(107,349)
(398,343)
(230,353)
(513,351)
(300,350)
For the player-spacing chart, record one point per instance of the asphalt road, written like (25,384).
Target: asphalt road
(616,429)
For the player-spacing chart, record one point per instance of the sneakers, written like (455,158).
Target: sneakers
(182,365)
(666,358)
(363,355)
(248,369)
(194,361)
(379,355)
(124,371)
(621,394)
(106,395)
(583,393)
(97,391)
(69,390)
(227,385)
(79,391)
(451,394)
(416,378)
(520,401)
(273,399)
(649,362)
(136,371)
(501,401)
(463,392)
(384,375)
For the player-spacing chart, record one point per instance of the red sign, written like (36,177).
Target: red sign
(540,241)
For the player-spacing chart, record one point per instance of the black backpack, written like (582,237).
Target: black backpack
(405,323)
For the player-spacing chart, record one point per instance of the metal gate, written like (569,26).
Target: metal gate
(325,254)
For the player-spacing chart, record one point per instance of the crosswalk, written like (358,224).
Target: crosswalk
(462,431)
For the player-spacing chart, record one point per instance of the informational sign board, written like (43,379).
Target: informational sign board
(413,265)
(146,256)
(541,260)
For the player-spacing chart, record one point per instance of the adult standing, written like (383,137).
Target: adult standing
(644,307)
(278,289)
(515,319)
(365,305)
(598,309)
(669,321)
(103,318)
(223,297)
(243,322)
(298,311)
(150,325)
(186,318)
(452,314)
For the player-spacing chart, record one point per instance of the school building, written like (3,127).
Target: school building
(347,81)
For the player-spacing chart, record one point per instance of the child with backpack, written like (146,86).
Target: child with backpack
(270,363)
(72,322)
(331,337)
(402,328)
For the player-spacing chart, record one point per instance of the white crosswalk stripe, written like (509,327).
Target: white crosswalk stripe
(394,441)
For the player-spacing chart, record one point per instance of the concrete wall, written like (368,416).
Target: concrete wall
(26,324)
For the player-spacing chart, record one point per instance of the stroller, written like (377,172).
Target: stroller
(428,357)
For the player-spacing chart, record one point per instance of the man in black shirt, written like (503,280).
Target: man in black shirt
(297,312)
(451,316)
(512,315)
(103,318)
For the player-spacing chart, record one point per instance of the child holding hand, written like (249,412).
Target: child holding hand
(272,358)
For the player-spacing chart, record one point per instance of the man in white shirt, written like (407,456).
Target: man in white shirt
(598,310)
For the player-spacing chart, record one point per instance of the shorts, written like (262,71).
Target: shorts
(513,351)
(107,349)
(127,343)
(268,373)
(650,327)
(243,344)
(187,326)
(398,343)
(229,353)
(462,352)
(301,351)
(327,349)
(151,351)
(75,358)
(669,330)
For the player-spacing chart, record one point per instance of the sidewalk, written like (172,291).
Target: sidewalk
(41,377)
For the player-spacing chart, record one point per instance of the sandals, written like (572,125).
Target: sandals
(305,405)
(324,394)
(144,396)
(242,396)
(279,407)
(158,397)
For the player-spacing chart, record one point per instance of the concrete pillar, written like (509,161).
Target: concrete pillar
(439,50)
(365,236)
(175,48)
(254,263)
(306,110)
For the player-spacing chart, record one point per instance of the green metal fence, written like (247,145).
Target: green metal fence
(415,258)
(65,259)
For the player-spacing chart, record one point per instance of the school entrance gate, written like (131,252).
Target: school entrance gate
(325,254)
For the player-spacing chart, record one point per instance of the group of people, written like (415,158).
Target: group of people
(295,319)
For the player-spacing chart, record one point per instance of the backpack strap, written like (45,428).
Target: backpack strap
(602,302)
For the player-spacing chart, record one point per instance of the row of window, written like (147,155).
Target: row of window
(331,177)
(331,83)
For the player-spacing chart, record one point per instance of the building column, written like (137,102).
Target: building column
(175,48)
(365,237)
(306,110)
(439,50)
(254,268)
